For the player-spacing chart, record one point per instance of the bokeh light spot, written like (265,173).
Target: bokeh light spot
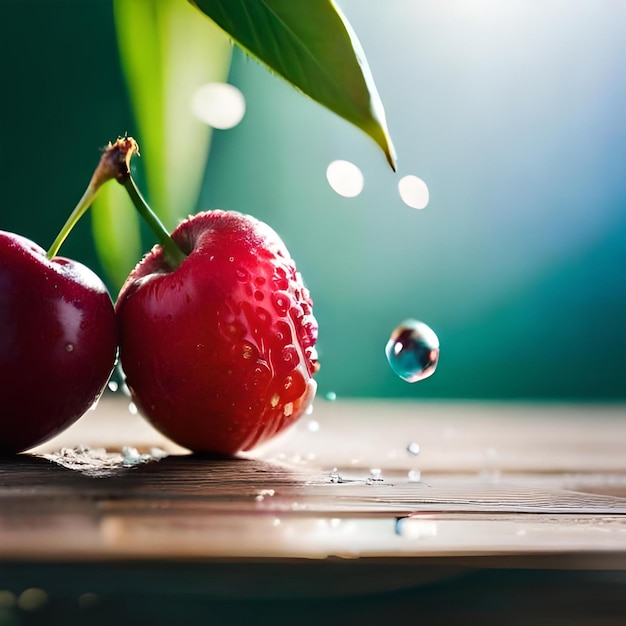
(414,192)
(345,178)
(219,105)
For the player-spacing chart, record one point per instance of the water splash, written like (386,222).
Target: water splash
(413,448)
(335,476)
(375,476)
(413,351)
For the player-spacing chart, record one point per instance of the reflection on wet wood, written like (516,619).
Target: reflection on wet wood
(351,486)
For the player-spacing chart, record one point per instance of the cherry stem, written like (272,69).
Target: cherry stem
(115,164)
(108,169)
(121,153)
(172,254)
(83,204)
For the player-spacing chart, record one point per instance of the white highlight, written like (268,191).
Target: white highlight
(345,178)
(414,192)
(219,105)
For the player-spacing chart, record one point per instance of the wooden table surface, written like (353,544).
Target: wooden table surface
(341,506)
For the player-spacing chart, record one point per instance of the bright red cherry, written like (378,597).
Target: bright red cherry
(218,348)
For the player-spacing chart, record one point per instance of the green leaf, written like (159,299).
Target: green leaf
(166,53)
(311,45)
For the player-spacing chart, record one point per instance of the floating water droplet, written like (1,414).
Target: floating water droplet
(219,105)
(309,409)
(414,192)
(345,178)
(132,408)
(415,476)
(313,426)
(413,448)
(113,386)
(413,351)
(331,396)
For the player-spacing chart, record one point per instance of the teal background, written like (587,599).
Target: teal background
(514,113)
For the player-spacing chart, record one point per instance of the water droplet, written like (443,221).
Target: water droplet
(335,477)
(219,104)
(131,457)
(415,476)
(132,408)
(331,396)
(158,453)
(313,426)
(309,409)
(242,274)
(413,351)
(261,494)
(113,386)
(345,178)
(69,347)
(375,476)
(414,192)
(281,301)
(413,448)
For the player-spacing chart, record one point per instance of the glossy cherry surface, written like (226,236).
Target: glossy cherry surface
(219,352)
(58,342)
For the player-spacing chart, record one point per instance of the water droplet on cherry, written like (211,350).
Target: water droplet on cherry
(413,351)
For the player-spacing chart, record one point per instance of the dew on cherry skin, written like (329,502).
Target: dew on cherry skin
(413,351)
